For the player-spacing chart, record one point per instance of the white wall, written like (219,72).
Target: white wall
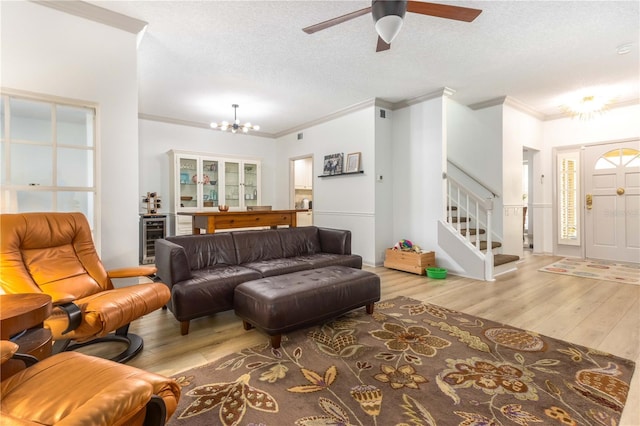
(345,202)
(384,181)
(53,53)
(419,158)
(158,138)
(519,130)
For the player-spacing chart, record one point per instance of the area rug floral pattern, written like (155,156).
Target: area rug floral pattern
(597,269)
(410,363)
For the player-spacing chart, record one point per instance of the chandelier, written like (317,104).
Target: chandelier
(235,126)
(587,108)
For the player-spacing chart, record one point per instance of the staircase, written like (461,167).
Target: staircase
(465,234)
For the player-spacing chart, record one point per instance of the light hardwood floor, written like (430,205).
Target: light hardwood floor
(598,314)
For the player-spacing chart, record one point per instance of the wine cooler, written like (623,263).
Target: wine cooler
(152,227)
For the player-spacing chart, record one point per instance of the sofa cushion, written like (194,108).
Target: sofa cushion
(253,246)
(209,291)
(320,260)
(300,241)
(285,265)
(207,250)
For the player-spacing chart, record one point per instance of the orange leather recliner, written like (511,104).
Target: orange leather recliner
(72,388)
(53,253)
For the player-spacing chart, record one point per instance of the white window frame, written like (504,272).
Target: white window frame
(9,189)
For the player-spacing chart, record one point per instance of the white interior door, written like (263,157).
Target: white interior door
(612,201)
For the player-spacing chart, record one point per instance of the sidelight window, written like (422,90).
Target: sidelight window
(568,196)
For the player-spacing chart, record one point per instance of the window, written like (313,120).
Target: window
(568,193)
(48,155)
(625,157)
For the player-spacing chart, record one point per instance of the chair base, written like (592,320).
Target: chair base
(133,341)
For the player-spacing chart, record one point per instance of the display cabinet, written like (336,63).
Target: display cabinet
(241,184)
(202,182)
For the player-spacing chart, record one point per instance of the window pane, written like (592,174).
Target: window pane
(30,121)
(604,163)
(34,201)
(31,165)
(76,201)
(74,126)
(75,167)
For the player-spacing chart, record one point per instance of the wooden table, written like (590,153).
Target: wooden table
(228,220)
(21,321)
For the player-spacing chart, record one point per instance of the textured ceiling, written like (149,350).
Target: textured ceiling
(199,57)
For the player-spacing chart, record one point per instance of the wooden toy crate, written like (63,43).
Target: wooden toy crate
(409,261)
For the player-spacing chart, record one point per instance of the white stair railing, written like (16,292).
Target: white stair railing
(464,206)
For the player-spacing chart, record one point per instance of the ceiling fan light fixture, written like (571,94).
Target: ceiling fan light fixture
(388,17)
(388,27)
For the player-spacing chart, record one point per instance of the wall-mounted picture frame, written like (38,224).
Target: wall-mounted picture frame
(353,162)
(333,164)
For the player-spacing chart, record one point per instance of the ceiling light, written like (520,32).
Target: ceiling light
(387,16)
(235,126)
(587,108)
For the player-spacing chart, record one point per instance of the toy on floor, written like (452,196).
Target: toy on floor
(406,245)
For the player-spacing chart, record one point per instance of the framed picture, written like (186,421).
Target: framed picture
(353,162)
(333,164)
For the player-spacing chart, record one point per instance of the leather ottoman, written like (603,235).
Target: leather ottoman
(283,303)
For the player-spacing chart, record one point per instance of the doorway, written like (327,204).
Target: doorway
(302,189)
(612,201)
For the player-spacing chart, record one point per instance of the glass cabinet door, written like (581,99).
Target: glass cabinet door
(188,187)
(250,184)
(232,182)
(209,183)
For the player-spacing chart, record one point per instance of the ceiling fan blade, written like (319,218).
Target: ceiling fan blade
(382,45)
(443,10)
(335,21)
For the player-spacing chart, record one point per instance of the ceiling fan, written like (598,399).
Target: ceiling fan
(388,14)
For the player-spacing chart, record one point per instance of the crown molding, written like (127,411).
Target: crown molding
(340,113)
(179,122)
(96,14)
(445,91)
(508,101)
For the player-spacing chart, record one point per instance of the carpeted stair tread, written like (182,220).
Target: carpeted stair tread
(494,244)
(501,259)
(472,231)
(460,219)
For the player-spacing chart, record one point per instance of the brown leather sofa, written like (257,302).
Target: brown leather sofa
(53,253)
(72,388)
(203,271)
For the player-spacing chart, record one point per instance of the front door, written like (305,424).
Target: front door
(612,201)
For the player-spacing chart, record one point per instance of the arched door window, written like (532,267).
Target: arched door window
(622,157)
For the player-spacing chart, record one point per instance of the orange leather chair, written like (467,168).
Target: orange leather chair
(72,388)
(53,253)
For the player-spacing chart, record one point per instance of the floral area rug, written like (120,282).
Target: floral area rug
(597,269)
(409,363)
